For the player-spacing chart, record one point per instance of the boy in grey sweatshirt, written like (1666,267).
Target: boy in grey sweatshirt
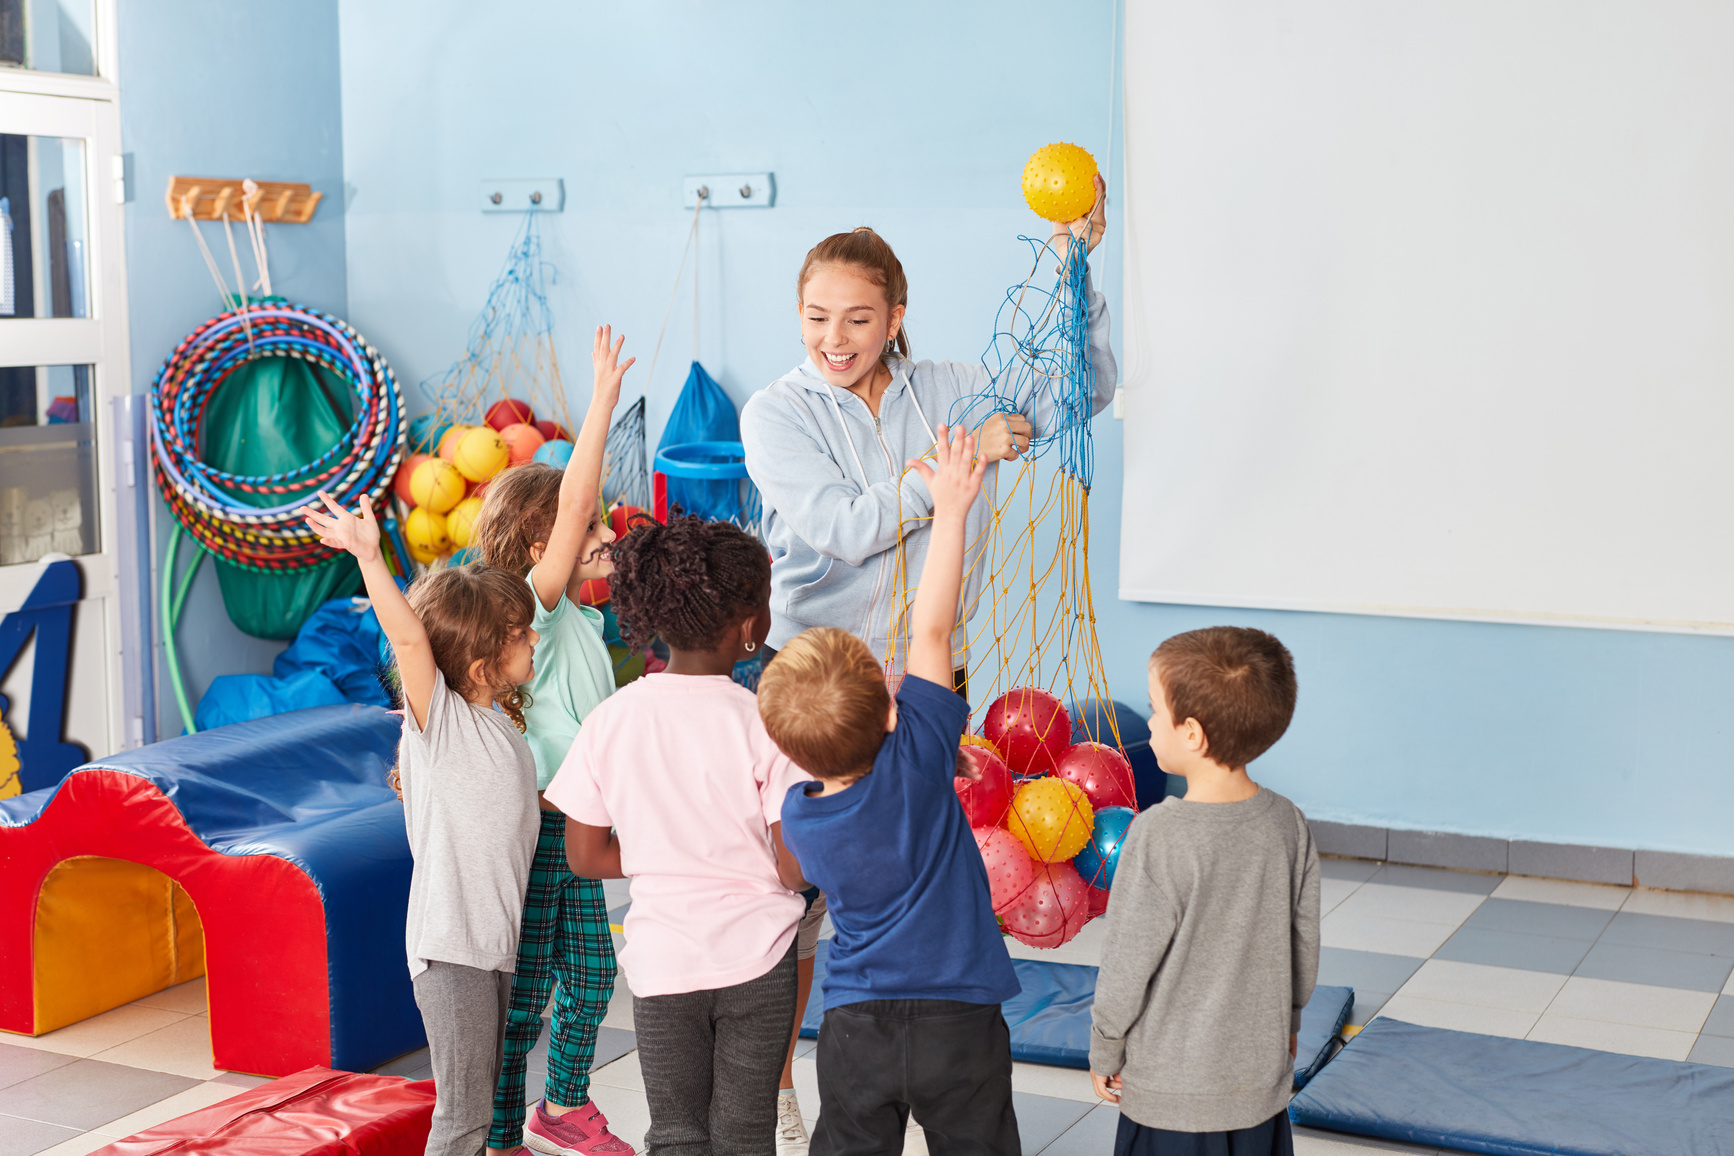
(1213,923)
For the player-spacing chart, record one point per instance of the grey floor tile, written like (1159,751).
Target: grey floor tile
(20,1064)
(19,1137)
(611,1044)
(1721,1021)
(1555,919)
(1671,933)
(1091,1136)
(86,1094)
(1373,970)
(1718,1050)
(1350,870)
(1656,966)
(617,917)
(1044,1119)
(1367,1005)
(241,1080)
(405,1064)
(1514,949)
(1437,879)
(425,1072)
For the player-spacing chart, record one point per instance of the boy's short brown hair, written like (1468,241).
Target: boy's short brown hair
(1237,682)
(824,702)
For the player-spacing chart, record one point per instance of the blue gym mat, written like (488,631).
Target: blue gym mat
(1050,1018)
(1517,1097)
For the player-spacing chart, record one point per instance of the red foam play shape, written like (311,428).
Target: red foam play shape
(269,1009)
(318,1112)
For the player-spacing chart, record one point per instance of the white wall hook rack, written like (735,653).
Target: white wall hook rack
(537,194)
(730,191)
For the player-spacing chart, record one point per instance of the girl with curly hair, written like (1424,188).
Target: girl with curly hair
(463,644)
(674,784)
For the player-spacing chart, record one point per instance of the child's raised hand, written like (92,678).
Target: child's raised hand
(342,530)
(605,359)
(955,477)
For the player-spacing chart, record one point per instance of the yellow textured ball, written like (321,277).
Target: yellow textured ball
(481,454)
(462,521)
(436,486)
(1060,182)
(425,533)
(1051,818)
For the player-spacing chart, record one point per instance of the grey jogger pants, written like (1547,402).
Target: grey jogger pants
(712,1061)
(464,1012)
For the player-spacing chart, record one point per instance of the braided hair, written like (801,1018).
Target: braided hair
(688,581)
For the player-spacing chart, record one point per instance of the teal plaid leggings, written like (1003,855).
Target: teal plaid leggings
(565,948)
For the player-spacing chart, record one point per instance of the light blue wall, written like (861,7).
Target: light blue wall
(224,90)
(916,118)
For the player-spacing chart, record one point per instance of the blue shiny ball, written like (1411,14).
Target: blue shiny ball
(1096,862)
(425,432)
(555,453)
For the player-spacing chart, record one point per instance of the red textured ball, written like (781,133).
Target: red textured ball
(1098,901)
(985,801)
(1009,867)
(1030,728)
(1053,909)
(1101,771)
(401,482)
(509,412)
(552,431)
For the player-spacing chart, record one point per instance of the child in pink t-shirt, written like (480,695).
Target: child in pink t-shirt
(674,784)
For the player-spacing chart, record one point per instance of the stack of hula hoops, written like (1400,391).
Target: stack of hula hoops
(267,535)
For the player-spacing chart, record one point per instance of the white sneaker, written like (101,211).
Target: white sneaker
(791,1129)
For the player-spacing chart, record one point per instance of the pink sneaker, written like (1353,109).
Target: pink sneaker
(581,1132)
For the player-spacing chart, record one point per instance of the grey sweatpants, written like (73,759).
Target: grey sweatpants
(712,1061)
(464,1012)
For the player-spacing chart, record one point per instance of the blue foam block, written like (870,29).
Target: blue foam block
(1508,1097)
(1050,1019)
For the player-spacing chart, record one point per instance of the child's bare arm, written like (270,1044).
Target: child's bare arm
(788,867)
(592,852)
(954,481)
(342,530)
(581,486)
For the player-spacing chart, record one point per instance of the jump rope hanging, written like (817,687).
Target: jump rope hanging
(254,412)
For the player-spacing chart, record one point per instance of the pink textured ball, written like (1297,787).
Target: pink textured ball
(985,801)
(1102,771)
(1053,909)
(1009,867)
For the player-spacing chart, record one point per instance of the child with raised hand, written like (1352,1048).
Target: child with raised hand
(1213,925)
(463,644)
(674,785)
(918,967)
(546,527)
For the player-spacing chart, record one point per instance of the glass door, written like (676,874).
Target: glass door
(63,354)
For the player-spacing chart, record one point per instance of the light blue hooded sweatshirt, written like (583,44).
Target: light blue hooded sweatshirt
(837,499)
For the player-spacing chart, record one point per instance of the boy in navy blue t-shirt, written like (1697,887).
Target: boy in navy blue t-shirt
(917,968)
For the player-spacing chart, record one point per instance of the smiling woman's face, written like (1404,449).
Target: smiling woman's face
(845,323)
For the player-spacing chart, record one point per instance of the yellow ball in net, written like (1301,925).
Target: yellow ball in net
(425,533)
(436,485)
(1060,182)
(1051,818)
(461,522)
(481,454)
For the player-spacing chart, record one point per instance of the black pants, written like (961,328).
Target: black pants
(959,677)
(712,1061)
(948,1062)
(1271,1138)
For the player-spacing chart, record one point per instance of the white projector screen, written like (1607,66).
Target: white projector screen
(1430,308)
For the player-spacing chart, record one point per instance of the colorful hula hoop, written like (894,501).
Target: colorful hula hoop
(360,465)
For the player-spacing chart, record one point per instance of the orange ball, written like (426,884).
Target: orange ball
(449,440)
(522,442)
(400,482)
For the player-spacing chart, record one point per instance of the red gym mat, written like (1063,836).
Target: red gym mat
(318,1112)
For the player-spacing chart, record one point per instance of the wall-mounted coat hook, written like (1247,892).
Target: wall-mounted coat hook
(539,195)
(730,191)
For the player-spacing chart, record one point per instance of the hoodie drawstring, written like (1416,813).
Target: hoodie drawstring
(831,392)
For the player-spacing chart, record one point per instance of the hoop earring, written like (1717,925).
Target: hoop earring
(751,646)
